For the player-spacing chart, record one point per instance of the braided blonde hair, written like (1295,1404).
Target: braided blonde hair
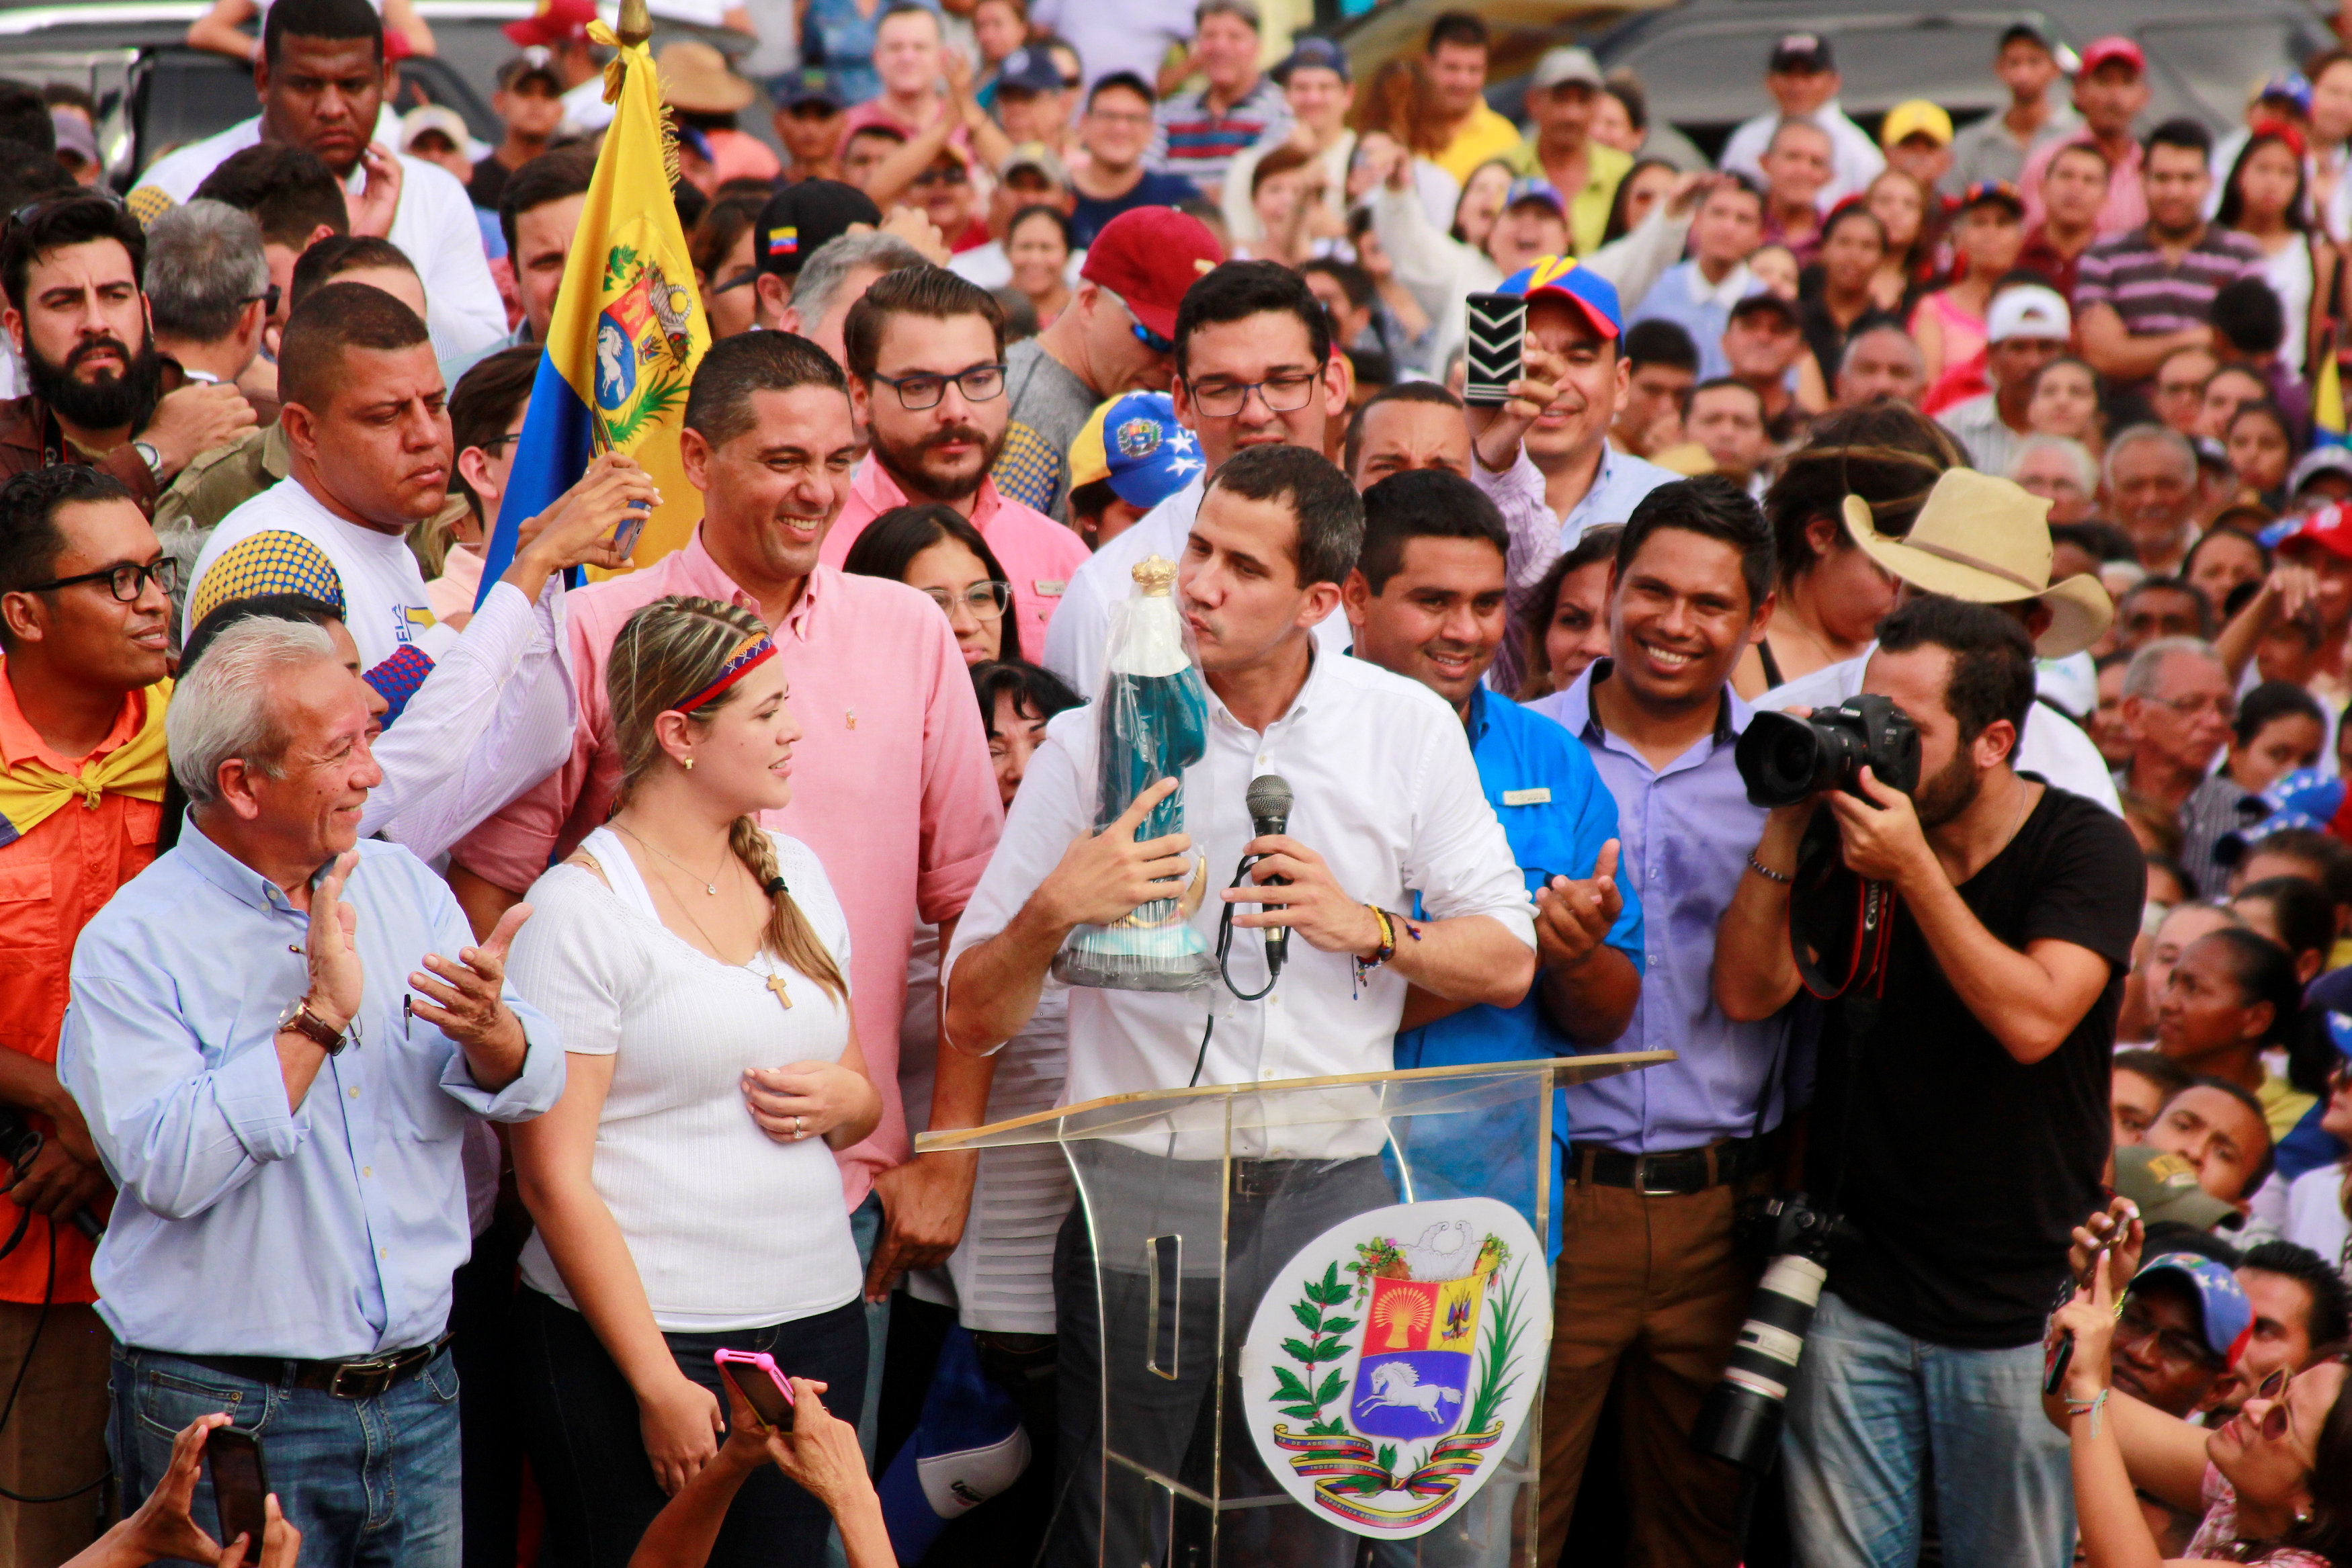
(666,652)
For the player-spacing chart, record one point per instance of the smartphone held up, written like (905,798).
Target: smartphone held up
(762,1383)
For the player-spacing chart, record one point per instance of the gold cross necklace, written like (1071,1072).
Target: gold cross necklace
(774,982)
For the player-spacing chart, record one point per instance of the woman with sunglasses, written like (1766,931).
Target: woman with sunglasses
(936,550)
(2272,1485)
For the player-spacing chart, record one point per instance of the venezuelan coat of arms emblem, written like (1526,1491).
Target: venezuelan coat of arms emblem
(1389,1367)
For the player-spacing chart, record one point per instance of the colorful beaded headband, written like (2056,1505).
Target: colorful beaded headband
(751,655)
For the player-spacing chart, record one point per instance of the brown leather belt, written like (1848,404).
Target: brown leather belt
(1676,1173)
(361,1377)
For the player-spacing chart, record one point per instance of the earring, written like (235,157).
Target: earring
(689,765)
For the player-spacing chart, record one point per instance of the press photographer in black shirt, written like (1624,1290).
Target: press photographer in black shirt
(1971,1122)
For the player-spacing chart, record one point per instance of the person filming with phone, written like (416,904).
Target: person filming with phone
(1962,1131)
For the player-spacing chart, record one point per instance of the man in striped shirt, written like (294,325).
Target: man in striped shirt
(2144,295)
(1197,134)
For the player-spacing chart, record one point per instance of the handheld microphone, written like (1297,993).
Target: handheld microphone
(1269,808)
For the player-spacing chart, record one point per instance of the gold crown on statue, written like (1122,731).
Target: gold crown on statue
(1155,574)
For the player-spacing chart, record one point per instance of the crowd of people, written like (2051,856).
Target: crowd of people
(455,1017)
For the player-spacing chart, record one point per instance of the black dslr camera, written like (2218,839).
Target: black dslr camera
(1784,758)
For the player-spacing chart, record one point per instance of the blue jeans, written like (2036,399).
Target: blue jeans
(1870,1403)
(367,1481)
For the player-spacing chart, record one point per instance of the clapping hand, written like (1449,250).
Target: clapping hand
(466,1000)
(1573,917)
(337,982)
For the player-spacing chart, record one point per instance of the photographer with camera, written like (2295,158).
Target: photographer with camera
(1963,1119)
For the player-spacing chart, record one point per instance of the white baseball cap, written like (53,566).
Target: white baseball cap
(2031,311)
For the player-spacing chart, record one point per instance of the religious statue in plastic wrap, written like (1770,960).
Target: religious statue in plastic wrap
(1151,723)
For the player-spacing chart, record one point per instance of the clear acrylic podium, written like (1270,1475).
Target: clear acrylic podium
(1325,1315)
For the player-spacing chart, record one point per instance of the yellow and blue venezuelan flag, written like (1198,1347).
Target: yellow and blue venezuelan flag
(627,330)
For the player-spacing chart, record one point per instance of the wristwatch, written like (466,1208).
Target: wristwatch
(150,457)
(299,1017)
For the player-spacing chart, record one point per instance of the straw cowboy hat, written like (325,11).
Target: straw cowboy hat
(695,78)
(1987,540)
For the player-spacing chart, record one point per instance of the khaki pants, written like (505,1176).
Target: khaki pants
(1651,1286)
(56,1437)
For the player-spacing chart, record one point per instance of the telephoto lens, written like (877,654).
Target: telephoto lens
(1742,1416)
(1784,758)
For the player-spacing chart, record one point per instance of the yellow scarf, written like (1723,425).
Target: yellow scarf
(31,791)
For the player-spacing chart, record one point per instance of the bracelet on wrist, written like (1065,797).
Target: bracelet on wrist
(1390,925)
(1784,878)
(2091,1407)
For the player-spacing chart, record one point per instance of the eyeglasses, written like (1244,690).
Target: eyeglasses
(2190,707)
(2171,1345)
(979,384)
(1281,394)
(1143,334)
(954,174)
(127,580)
(268,297)
(986,601)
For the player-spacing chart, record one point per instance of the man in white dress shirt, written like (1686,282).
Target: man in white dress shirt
(1388,805)
(1803,80)
(321,79)
(474,719)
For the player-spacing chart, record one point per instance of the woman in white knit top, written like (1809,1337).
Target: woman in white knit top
(685,1191)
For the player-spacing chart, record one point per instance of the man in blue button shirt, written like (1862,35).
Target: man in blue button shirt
(1426,602)
(276,1070)
(1652,1292)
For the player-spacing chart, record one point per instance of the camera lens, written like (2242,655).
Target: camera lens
(1782,758)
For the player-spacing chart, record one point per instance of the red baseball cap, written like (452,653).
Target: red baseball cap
(2113,50)
(1149,256)
(2330,527)
(553,22)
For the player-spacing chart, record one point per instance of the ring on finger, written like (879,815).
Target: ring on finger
(798,1130)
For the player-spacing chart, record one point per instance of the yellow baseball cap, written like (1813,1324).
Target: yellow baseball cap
(1915,117)
(1088,463)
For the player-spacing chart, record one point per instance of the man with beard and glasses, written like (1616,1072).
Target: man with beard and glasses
(926,355)
(322,79)
(70,266)
(2017,904)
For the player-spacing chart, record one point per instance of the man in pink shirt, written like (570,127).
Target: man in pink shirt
(2110,90)
(893,787)
(925,354)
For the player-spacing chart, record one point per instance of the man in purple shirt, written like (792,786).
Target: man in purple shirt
(1648,1275)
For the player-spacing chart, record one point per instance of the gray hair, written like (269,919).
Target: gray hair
(2144,674)
(222,710)
(204,266)
(2078,457)
(822,275)
(1845,358)
(2164,436)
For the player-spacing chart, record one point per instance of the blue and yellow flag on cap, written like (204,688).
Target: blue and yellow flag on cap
(627,330)
(1561,275)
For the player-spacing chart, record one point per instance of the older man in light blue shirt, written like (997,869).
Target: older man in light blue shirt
(277,1064)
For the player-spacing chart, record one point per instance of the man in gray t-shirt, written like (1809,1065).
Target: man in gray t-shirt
(1115,335)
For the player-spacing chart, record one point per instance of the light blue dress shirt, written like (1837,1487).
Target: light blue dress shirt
(242,1229)
(1685,833)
